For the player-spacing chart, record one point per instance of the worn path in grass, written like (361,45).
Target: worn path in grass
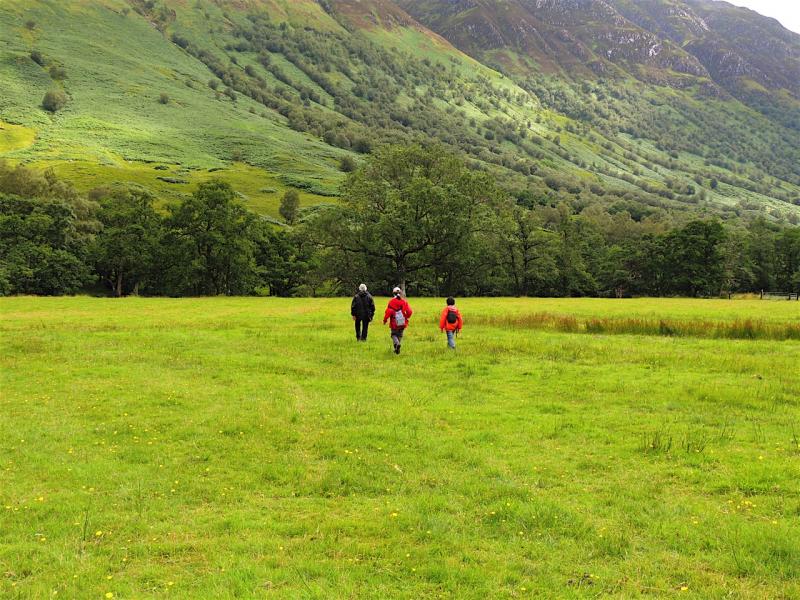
(250,448)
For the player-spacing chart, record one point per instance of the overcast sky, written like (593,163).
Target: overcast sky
(786,11)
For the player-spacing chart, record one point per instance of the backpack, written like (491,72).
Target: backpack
(452,316)
(399,319)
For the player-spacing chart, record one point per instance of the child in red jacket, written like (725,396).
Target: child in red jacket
(451,322)
(397,313)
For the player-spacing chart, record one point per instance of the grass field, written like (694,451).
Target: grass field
(249,448)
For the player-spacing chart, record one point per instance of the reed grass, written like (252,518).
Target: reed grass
(737,329)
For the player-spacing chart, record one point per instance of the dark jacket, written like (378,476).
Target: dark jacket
(363,306)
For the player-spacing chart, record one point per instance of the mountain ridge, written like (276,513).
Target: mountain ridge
(689,31)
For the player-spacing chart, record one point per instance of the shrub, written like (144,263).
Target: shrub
(30,24)
(362,146)
(37,57)
(347,164)
(54,100)
(290,203)
(163,98)
(213,83)
(58,73)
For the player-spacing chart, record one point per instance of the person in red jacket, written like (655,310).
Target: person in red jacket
(451,322)
(397,314)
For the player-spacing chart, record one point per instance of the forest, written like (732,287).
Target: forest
(412,215)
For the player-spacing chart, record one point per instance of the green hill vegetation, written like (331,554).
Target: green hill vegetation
(114,126)
(272,95)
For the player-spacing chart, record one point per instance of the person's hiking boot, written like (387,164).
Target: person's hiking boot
(397,349)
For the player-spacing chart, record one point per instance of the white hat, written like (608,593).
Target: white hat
(397,290)
(363,287)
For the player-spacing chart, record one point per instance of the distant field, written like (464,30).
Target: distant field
(250,448)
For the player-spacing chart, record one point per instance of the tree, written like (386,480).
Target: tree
(692,259)
(54,101)
(409,208)
(40,248)
(788,260)
(614,276)
(125,251)
(290,204)
(574,277)
(283,257)
(210,244)
(529,254)
(737,270)
(761,253)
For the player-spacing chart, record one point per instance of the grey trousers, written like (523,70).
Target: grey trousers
(397,336)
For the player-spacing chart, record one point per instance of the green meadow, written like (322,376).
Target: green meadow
(250,448)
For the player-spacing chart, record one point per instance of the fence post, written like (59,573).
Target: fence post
(762,295)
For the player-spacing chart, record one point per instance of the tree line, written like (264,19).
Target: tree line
(412,215)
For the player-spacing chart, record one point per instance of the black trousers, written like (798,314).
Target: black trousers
(362,327)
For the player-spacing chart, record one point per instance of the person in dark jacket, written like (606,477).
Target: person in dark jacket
(362,309)
(397,314)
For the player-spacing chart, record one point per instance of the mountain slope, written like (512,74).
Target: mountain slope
(683,52)
(114,126)
(613,103)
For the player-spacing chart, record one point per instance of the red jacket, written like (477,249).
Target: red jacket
(444,325)
(396,304)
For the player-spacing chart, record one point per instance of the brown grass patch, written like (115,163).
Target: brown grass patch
(740,329)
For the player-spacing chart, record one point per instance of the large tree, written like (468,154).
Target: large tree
(788,260)
(693,261)
(125,251)
(406,210)
(529,254)
(41,251)
(211,244)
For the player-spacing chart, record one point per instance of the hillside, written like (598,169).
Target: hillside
(618,103)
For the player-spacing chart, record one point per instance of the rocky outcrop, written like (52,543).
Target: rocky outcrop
(662,40)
